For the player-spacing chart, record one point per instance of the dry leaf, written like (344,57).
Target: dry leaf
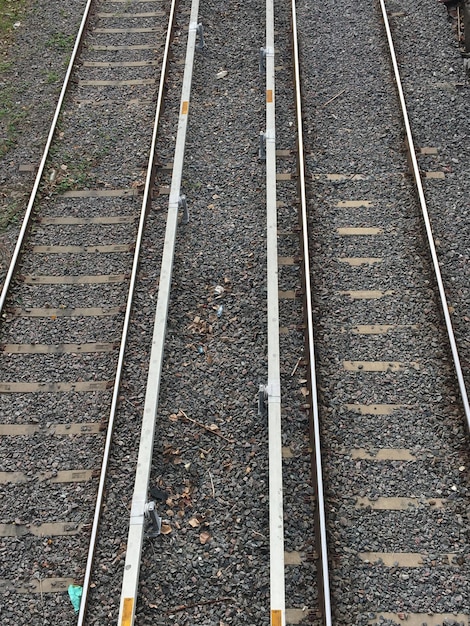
(194,522)
(214,427)
(166,529)
(204,537)
(304,391)
(173,417)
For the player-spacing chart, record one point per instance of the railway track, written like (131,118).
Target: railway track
(394,406)
(242,533)
(64,312)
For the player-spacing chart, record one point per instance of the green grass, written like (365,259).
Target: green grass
(60,41)
(9,211)
(11,11)
(52,77)
(11,118)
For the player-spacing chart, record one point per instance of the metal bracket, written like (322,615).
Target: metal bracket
(182,204)
(200,32)
(155,521)
(262,60)
(262,401)
(262,146)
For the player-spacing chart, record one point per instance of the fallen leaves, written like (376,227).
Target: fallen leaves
(204,537)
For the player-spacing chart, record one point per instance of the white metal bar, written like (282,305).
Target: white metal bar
(427,222)
(325,591)
(130,582)
(122,348)
(42,164)
(276,505)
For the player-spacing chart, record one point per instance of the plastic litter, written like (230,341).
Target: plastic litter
(200,350)
(75,595)
(220,310)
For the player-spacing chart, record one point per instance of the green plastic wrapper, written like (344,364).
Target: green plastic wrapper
(75,595)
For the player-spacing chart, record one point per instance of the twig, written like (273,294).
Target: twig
(212,483)
(296,366)
(333,98)
(214,432)
(183,607)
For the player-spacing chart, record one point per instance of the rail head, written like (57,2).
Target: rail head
(320,522)
(426,219)
(37,180)
(127,315)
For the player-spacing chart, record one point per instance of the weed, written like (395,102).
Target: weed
(11,12)
(9,212)
(52,77)
(60,41)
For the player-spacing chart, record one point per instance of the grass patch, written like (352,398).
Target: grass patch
(9,212)
(11,117)
(11,11)
(60,41)
(52,77)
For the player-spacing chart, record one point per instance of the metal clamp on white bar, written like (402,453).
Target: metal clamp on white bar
(154,519)
(182,204)
(262,146)
(200,32)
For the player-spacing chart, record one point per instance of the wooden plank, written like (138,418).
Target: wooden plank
(380,329)
(296,616)
(293,558)
(119,63)
(374,409)
(82,221)
(61,348)
(340,177)
(125,31)
(65,476)
(354,204)
(401,559)
(117,83)
(287,295)
(418,619)
(75,280)
(378,366)
(144,46)
(130,15)
(45,585)
(398,503)
(100,193)
(350,231)
(383,454)
(79,312)
(434,175)
(53,529)
(358,261)
(55,387)
(366,294)
(126,247)
(19,430)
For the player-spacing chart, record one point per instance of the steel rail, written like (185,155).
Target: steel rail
(132,283)
(273,389)
(427,222)
(131,572)
(42,164)
(321,532)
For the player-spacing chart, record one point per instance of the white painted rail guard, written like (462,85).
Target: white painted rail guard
(276,509)
(137,519)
